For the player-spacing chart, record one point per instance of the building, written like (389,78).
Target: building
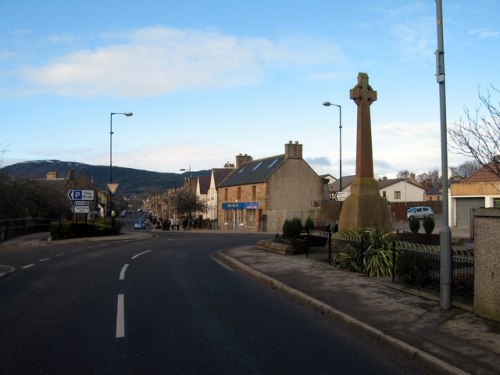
(259,195)
(481,189)
(393,190)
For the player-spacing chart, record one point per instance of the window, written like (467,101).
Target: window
(239,193)
(384,194)
(257,166)
(254,192)
(225,194)
(397,195)
(272,163)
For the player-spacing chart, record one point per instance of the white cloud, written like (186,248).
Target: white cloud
(485,33)
(157,60)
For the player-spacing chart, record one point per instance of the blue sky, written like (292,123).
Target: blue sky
(207,80)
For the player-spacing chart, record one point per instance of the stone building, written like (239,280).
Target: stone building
(260,194)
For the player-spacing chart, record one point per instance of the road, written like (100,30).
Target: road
(166,305)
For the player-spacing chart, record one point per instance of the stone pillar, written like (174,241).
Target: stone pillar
(364,208)
(487,262)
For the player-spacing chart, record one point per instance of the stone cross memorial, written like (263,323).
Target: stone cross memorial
(364,208)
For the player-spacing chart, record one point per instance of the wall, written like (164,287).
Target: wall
(487,262)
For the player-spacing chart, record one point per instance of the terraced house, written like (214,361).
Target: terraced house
(260,194)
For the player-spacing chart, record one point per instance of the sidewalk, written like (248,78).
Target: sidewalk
(446,342)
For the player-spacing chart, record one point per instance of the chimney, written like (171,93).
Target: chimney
(293,150)
(242,159)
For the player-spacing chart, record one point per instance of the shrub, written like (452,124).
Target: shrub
(309,224)
(373,259)
(292,228)
(66,230)
(428,224)
(414,224)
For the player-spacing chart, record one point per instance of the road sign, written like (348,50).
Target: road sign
(342,195)
(81,195)
(80,209)
(81,203)
(112,188)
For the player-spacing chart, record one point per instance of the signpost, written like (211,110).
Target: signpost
(342,195)
(81,195)
(80,209)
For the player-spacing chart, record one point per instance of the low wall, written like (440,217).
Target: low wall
(487,262)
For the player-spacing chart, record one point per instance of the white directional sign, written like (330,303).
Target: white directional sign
(80,209)
(342,195)
(81,195)
(81,203)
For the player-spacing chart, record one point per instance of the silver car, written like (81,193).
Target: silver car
(419,212)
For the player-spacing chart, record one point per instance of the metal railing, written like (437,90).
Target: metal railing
(418,266)
(11,228)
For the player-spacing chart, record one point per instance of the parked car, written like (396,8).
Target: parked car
(140,225)
(419,212)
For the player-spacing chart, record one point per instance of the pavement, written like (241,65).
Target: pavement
(410,322)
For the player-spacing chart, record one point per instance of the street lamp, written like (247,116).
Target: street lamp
(328,104)
(111,195)
(189,194)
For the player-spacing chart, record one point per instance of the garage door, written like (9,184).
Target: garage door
(464,206)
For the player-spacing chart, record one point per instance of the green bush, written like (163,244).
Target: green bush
(67,230)
(428,224)
(309,224)
(373,259)
(292,228)
(414,224)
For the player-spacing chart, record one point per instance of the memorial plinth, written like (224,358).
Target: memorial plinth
(364,208)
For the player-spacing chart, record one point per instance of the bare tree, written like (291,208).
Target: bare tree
(431,176)
(403,174)
(465,170)
(478,136)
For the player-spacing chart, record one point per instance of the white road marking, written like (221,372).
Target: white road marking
(120,316)
(43,259)
(122,272)
(138,255)
(60,254)
(28,266)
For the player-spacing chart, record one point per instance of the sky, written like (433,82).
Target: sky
(208,80)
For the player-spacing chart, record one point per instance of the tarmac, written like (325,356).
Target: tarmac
(410,322)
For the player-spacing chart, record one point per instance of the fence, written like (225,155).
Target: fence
(11,228)
(414,264)
(419,266)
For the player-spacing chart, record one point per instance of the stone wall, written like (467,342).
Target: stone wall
(487,262)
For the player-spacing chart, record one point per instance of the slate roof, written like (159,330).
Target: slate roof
(220,174)
(204,182)
(255,171)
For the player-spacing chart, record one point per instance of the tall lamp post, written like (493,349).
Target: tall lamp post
(328,104)
(112,213)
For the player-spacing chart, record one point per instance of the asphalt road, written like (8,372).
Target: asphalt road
(166,305)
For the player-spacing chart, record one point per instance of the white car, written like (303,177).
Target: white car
(419,212)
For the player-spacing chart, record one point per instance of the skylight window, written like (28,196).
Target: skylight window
(257,166)
(272,163)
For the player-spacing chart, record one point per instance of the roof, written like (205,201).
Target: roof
(347,180)
(484,174)
(254,171)
(204,182)
(220,174)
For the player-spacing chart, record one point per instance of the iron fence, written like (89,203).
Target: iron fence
(418,266)
(11,228)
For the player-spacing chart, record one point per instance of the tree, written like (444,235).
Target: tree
(465,170)
(403,174)
(431,176)
(478,136)
(186,202)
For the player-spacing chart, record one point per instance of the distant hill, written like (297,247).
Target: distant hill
(132,181)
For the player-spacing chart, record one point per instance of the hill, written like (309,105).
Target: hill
(132,181)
